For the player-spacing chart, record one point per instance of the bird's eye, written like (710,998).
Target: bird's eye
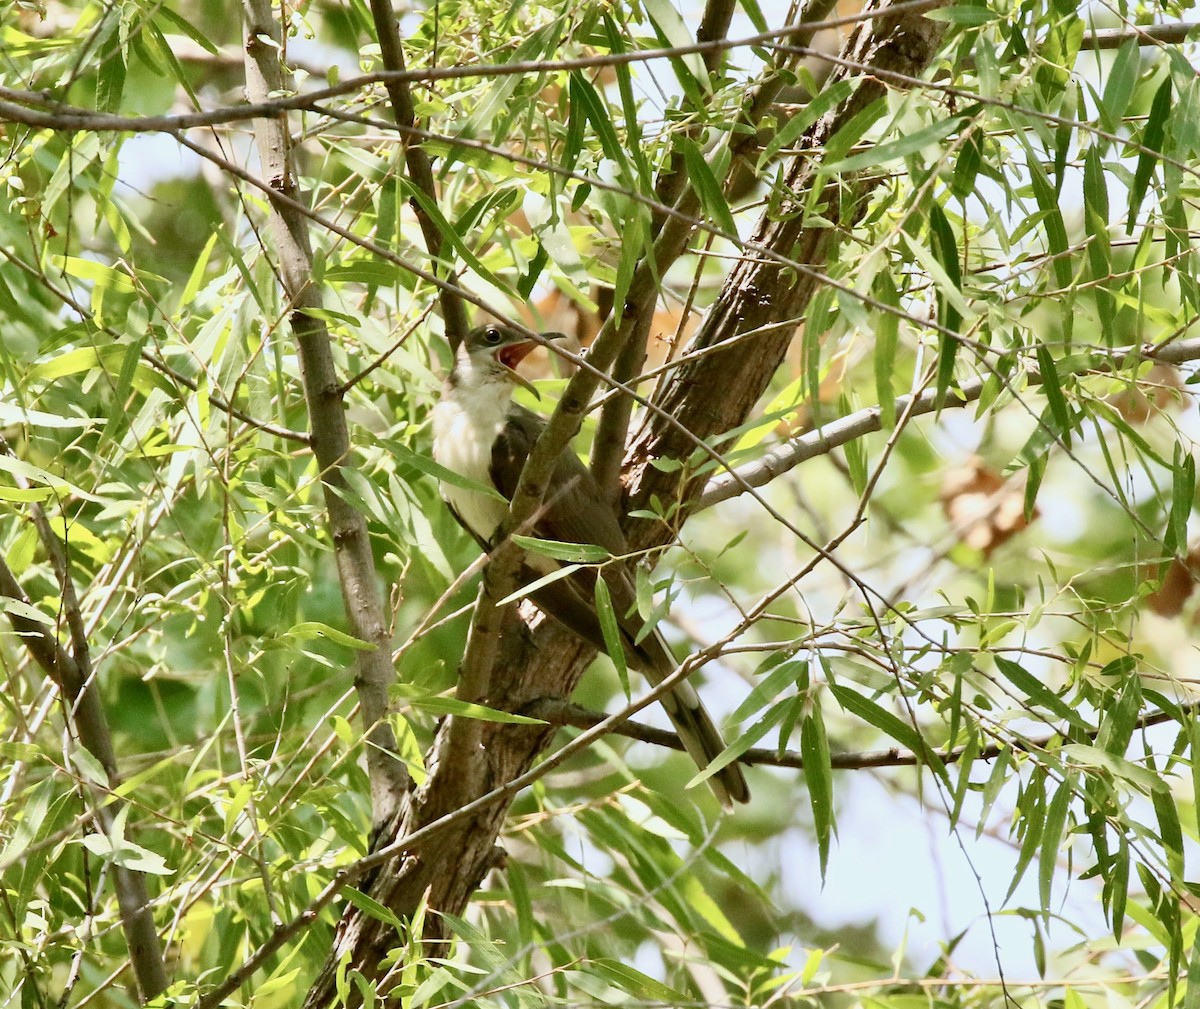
(492,335)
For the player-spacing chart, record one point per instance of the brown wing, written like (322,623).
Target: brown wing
(574,510)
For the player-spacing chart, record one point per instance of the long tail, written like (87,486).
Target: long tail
(565,601)
(695,727)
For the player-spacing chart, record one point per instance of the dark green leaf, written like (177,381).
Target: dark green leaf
(1038,693)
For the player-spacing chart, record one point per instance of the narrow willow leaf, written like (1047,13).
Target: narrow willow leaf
(1169,831)
(1031,809)
(611,629)
(1141,778)
(895,149)
(1191,997)
(748,738)
(450,235)
(673,33)
(629,109)
(886,722)
(1038,693)
(438,705)
(426,465)
(1183,495)
(828,98)
(1054,393)
(372,908)
(887,337)
(586,98)
(310,629)
(576,553)
(1121,720)
(1119,888)
(789,673)
(712,199)
(966,168)
(1052,220)
(818,775)
(1118,89)
(1052,838)
(539,583)
(188,29)
(1058,52)
(945,249)
(110,82)
(634,983)
(966,762)
(1151,139)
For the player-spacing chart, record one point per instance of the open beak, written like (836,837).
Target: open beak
(512,355)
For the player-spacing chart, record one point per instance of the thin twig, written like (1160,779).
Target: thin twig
(863,422)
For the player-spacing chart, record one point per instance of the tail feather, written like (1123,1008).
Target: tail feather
(653,659)
(693,724)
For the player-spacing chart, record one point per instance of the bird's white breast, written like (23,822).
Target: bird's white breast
(465,425)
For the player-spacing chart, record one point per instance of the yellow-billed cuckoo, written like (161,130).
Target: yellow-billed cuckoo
(480,434)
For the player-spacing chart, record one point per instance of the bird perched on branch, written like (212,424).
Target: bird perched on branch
(481,435)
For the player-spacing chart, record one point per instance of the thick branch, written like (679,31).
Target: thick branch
(420,170)
(327,418)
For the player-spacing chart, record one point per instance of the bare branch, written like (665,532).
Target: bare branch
(420,169)
(863,422)
(327,418)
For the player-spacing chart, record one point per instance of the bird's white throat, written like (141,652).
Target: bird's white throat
(466,423)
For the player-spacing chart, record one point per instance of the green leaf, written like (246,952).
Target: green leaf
(673,33)
(575,553)
(887,339)
(1183,496)
(1052,837)
(585,97)
(1038,693)
(828,98)
(1054,394)
(870,712)
(188,29)
(789,673)
(1123,770)
(1169,830)
(818,775)
(634,984)
(1055,229)
(611,629)
(439,705)
(970,16)
(110,82)
(372,908)
(1118,89)
(310,629)
(540,583)
(1151,139)
(424,464)
(1119,888)
(451,236)
(707,187)
(895,149)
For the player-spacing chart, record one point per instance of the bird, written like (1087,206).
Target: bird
(481,435)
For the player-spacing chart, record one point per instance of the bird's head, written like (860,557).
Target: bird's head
(491,353)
